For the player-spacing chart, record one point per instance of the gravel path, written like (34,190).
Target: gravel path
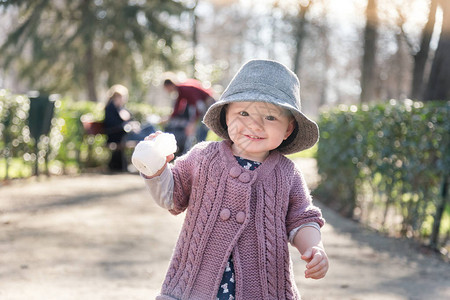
(97,236)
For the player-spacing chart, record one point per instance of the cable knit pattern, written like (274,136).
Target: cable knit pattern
(270,235)
(233,210)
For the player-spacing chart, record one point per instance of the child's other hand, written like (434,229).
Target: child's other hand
(317,262)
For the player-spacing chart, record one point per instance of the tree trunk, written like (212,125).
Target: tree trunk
(300,35)
(89,67)
(438,87)
(398,90)
(194,38)
(368,63)
(434,239)
(327,61)
(273,38)
(90,73)
(420,58)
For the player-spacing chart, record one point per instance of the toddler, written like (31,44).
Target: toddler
(244,200)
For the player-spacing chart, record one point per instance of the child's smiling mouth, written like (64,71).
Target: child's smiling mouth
(254,137)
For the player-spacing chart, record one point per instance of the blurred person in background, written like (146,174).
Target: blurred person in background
(120,127)
(192,102)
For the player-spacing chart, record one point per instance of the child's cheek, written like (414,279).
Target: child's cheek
(232,127)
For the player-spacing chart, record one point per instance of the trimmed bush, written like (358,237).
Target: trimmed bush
(386,164)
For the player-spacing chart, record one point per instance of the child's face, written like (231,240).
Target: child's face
(257,128)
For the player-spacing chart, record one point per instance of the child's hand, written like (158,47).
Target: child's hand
(168,157)
(152,136)
(317,262)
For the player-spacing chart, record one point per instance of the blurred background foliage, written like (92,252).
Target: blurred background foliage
(73,45)
(14,132)
(346,51)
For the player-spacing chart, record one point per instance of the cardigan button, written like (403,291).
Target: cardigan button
(245,177)
(225,214)
(240,217)
(235,172)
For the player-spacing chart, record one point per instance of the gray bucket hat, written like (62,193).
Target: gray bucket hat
(271,82)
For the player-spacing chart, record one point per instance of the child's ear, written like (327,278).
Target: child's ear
(290,128)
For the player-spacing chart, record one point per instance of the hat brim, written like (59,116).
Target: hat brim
(304,136)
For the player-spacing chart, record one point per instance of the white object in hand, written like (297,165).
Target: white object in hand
(150,156)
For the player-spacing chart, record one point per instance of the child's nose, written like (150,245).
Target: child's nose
(255,123)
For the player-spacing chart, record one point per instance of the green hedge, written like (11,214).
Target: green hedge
(64,147)
(386,163)
(15,137)
(72,150)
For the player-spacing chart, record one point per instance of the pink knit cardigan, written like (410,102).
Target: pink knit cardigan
(231,210)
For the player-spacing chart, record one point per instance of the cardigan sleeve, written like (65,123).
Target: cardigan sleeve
(184,171)
(300,209)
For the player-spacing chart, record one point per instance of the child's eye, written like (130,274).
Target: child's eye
(270,118)
(244,113)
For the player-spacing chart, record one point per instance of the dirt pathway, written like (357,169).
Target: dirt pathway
(98,237)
